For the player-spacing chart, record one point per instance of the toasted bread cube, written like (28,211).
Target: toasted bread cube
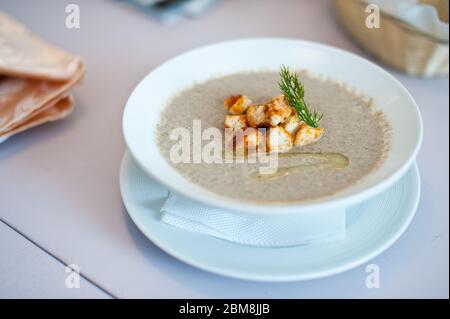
(249,139)
(292,124)
(277,117)
(237,105)
(307,135)
(278,111)
(235,121)
(278,140)
(256,115)
(254,139)
(280,102)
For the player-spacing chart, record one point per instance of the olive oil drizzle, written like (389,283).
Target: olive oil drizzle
(331,161)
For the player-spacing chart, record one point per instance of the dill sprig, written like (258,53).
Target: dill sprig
(294,91)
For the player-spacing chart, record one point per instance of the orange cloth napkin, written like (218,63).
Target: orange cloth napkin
(35,79)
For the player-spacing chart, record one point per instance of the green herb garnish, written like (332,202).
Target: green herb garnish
(294,92)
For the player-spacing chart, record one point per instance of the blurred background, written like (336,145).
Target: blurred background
(413,38)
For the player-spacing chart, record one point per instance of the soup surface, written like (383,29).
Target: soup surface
(355,140)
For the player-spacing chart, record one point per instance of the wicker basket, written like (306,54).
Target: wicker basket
(396,43)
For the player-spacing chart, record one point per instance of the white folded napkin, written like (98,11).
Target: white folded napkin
(264,231)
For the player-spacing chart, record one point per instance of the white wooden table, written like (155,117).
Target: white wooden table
(59,192)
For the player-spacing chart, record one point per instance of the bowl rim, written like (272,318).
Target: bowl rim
(294,207)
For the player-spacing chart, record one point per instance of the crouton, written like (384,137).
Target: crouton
(256,115)
(251,138)
(292,124)
(246,141)
(278,140)
(238,104)
(235,121)
(278,111)
(277,117)
(307,135)
(280,102)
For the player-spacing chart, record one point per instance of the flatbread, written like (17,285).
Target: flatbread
(52,112)
(21,98)
(51,103)
(23,54)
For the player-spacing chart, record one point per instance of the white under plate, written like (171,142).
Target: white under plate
(371,228)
